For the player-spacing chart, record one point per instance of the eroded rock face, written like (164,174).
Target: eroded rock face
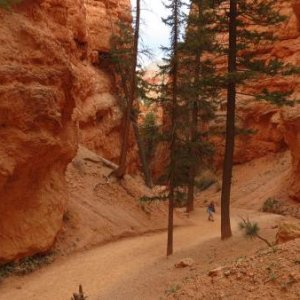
(98,111)
(287,231)
(49,65)
(37,135)
(259,133)
(291,115)
(291,129)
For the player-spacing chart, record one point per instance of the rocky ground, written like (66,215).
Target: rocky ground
(272,273)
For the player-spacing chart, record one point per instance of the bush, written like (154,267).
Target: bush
(26,265)
(251,230)
(271,205)
(150,134)
(6,4)
(205,180)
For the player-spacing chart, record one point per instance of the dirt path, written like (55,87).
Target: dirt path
(136,268)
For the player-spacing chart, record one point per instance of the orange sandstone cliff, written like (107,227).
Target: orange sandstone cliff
(54,94)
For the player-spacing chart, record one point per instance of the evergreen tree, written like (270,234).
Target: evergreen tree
(230,123)
(199,83)
(124,57)
(170,100)
(131,95)
(243,67)
(150,134)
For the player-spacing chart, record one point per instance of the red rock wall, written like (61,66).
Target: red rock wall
(98,113)
(291,130)
(291,116)
(52,95)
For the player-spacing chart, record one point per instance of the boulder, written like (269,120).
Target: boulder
(185,262)
(288,231)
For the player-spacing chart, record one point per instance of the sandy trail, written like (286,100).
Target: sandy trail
(136,268)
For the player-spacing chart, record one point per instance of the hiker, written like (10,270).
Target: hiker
(211,210)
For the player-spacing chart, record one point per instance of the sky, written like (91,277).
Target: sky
(154,33)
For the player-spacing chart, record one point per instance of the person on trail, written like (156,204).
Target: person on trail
(211,210)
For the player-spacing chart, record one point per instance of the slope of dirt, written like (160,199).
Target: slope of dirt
(136,268)
(269,274)
(256,181)
(102,209)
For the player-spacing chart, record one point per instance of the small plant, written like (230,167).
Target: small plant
(251,230)
(272,275)
(173,289)
(6,4)
(286,284)
(6,270)
(150,134)
(205,180)
(270,205)
(26,265)
(80,295)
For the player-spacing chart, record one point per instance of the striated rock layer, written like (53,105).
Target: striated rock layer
(54,93)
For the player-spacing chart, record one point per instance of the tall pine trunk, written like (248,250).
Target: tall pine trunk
(133,82)
(230,124)
(170,221)
(194,126)
(173,145)
(192,171)
(142,154)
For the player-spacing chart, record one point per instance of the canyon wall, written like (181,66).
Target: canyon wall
(291,115)
(54,94)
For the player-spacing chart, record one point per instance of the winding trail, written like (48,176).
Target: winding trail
(136,268)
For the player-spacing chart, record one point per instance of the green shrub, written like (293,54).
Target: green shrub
(271,205)
(6,4)
(150,134)
(205,180)
(26,265)
(173,289)
(251,230)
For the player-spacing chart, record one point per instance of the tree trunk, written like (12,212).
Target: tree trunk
(170,221)
(230,124)
(124,150)
(173,74)
(192,171)
(194,125)
(142,154)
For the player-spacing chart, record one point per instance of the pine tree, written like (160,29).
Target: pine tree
(200,83)
(150,134)
(243,67)
(230,123)
(124,56)
(131,95)
(169,97)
